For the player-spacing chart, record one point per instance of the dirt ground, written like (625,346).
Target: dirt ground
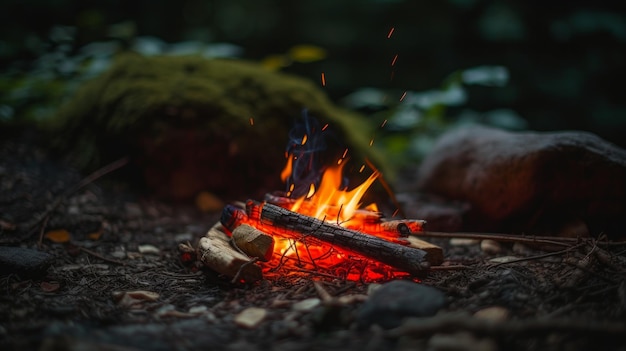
(500,295)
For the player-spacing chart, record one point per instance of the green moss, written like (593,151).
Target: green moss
(154,96)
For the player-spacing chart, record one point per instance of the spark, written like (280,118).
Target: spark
(395,58)
(390,32)
(304,139)
(361,169)
(371,141)
(395,212)
(345,152)
(251,121)
(325,126)
(323,79)
(403,96)
(383,124)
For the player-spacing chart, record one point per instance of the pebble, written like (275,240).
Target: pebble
(463,242)
(503,259)
(490,247)
(250,317)
(399,299)
(493,313)
(183,237)
(306,305)
(148,249)
(22,261)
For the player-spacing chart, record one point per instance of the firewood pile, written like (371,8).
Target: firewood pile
(258,239)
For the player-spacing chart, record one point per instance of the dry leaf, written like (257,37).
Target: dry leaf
(95,235)
(134,299)
(58,236)
(51,286)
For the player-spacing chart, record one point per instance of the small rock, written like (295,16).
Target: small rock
(490,247)
(463,242)
(183,237)
(503,259)
(396,300)
(250,317)
(373,287)
(493,313)
(21,261)
(306,305)
(148,249)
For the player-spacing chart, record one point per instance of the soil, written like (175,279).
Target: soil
(571,297)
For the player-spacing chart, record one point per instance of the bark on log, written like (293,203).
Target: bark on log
(408,259)
(215,251)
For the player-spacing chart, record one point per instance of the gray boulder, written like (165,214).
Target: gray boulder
(529,181)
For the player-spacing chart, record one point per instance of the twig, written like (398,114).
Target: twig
(97,255)
(538,257)
(453,322)
(559,241)
(324,295)
(500,237)
(303,270)
(459,267)
(41,232)
(236,277)
(84,182)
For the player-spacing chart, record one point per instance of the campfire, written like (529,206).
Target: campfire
(318,225)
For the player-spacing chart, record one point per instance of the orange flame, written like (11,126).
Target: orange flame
(329,202)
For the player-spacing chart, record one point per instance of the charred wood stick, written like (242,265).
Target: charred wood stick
(275,218)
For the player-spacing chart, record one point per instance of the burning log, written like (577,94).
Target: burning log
(274,219)
(216,252)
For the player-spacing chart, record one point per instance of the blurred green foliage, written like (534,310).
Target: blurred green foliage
(563,60)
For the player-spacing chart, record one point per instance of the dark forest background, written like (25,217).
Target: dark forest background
(564,59)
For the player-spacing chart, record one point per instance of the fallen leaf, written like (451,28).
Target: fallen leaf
(58,236)
(133,299)
(95,235)
(51,286)
(250,317)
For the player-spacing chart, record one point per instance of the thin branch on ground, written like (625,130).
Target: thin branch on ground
(84,182)
(97,255)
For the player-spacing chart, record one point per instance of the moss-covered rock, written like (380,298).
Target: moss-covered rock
(186,123)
